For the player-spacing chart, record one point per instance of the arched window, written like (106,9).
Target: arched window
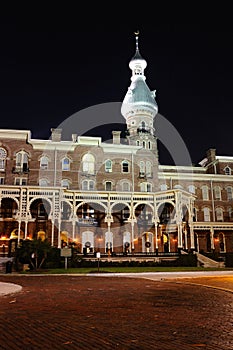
(206,214)
(143,125)
(66,164)
(108,166)
(149,145)
(125,186)
(219,214)
(22,161)
(43,182)
(3,156)
(229,193)
(217,192)
(44,162)
(146,187)
(230,213)
(88,185)
(125,166)
(108,186)
(65,183)
(137,143)
(227,170)
(194,214)
(191,189)
(148,169)
(163,187)
(88,163)
(144,144)
(205,193)
(142,167)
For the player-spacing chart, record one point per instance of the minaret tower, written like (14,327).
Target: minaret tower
(139,107)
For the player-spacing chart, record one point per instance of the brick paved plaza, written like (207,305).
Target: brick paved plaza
(85,312)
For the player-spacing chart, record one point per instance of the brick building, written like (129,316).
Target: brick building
(114,196)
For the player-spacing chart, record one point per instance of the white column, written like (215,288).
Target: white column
(59,234)
(212,237)
(52,238)
(156,236)
(73,229)
(192,237)
(185,239)
(26,230)
(19,228)
(180,240)
(132,234)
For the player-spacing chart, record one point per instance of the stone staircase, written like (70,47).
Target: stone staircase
(207,262)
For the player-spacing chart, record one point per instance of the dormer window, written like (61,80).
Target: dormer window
(65,164)
(227,170)
(22,161)
(108,166)
(44,162)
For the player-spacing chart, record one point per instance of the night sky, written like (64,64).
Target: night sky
(48,73)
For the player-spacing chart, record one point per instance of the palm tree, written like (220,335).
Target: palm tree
(33,251)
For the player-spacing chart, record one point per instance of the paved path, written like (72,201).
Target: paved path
(130,313)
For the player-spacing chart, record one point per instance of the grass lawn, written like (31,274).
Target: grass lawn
(133,269)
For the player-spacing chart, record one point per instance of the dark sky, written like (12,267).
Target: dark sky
(48,73)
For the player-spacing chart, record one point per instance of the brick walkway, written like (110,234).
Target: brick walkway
(103,313)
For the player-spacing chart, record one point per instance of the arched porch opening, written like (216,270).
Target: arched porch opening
(166,213)
(8,208)
(90,214)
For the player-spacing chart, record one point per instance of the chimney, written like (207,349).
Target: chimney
(116,137)
(56,135)
(74,137)
(211,155)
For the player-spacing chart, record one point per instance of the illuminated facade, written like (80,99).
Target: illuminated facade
(114,197)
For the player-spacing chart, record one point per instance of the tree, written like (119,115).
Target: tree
(33,252)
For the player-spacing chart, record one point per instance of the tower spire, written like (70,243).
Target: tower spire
(136,37)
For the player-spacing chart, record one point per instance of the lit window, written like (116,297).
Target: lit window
(88,163)
(108,166)
(3,156)
(205,193)
(65,164)
(125,166)
(44,161)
